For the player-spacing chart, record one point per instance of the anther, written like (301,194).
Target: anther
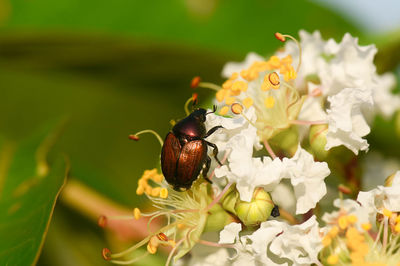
(280,37)
(102,221)
(106,254)
(236,108)
(162,237)
(366,226)
(136,213)
(134,137)
(269,102)
(224,110)
(387,213)
(345,190)
(195,82)
(164,193)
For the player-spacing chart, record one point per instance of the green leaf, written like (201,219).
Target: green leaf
(29,189)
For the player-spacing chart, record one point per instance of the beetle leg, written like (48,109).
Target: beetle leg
(206,168)
(212,131)
(215,151)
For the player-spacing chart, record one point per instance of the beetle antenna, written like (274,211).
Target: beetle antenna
(213,111)
(192,100)
(136,135)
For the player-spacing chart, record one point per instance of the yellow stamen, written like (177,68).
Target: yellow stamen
(224,110)
(274,62)
(181,226)
(247,102)
(148,190)
(221,94)
(227,84)
(234,76)
(366,226)
(136,213)
(151,249)
(289,73)
(140,190)
(230,100)
(352,219)
(387,213)
(164,193)
(237,108)
(155,192)
(397,228)
(343,223)
(333,259)
(269,102)
(326,241)
(239,86)
(334,231)
(157,178)
(398,219)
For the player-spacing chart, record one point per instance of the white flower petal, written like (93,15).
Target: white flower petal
(386,103)
(299,243)
(347,125)
(307,178)
(230,233)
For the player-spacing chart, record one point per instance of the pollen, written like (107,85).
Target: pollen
(334,231)
(269,102)
(326,241)
(151,249)
(237,108)
(333,259)
(136,213)
(164,193)
(397,219)
(271,81)
(387,213)
(224,110)
(352,219)
(247,102)
(343,222)
(140,190)
(366,226)
(397,228)
(155,192)
(234,76)
(230,100)
(289,73)
(274,62)
(239,86)
(221,94)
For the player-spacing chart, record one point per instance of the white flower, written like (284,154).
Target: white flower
(299,243)
(386,103)
(382,197)
(348,207)
(312,46)
(307,178)
(235,126)
(233,67)
(347,125)
(274,241)
(230,233)
(284,197)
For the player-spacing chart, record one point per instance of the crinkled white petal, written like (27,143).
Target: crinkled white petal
(298,243)
(351,66)
(230,233)
(386,103)
(249,173)
(233,67)
(347,125)
(284,197)
(215,257)
(307,178)
(382,197)
(232,127)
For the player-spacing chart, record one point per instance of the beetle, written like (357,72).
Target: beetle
(184,152)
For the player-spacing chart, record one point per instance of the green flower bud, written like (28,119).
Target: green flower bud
(287,140)
(250,213)
(317,139)
(217,219)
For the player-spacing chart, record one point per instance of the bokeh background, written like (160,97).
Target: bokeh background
(105,69)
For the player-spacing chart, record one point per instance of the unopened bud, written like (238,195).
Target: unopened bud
(317,138)
(257,211)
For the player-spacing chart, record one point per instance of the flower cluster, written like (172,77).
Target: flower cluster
(266,108)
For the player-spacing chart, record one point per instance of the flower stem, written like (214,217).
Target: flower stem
(269,149)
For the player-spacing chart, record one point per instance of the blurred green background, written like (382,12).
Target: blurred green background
(111,68)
